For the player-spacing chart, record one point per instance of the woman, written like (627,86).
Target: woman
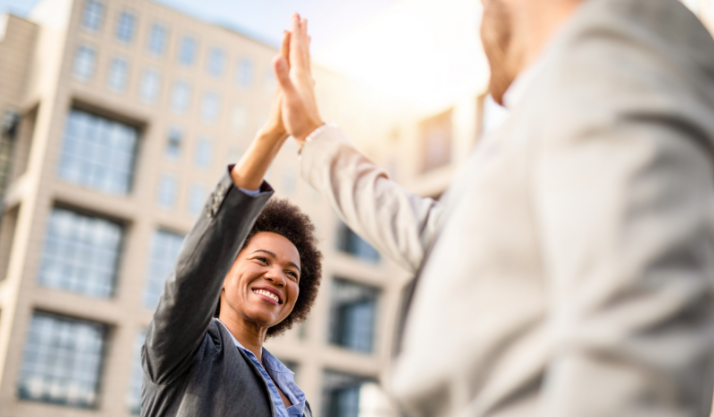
(258,262)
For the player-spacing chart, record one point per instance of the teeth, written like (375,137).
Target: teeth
(267,294)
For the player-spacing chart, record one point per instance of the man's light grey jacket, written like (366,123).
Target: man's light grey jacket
(191,366)
(569,269)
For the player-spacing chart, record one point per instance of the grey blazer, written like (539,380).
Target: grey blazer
(569,269)
(191,366)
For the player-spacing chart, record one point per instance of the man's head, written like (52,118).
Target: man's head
(514,33)
(275,278)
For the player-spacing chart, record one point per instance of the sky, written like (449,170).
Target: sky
(426,52)
(264,19)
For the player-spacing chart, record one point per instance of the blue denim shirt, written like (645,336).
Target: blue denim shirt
(273,370)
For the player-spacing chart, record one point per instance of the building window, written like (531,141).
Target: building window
(349,395)
(436,141)
(173,143)
(157,39)
(133,397)
(187,51)
(125,26)
(204,153)
(351,243)
(166,194)
(81,254)
(84,62)
(180,96)
(93,15)
(353,309)
(216,62)
(197,199)
(98,153)
(150,86)
(62,361)
(165,248)
(210,107)
(118,74)
(245,72)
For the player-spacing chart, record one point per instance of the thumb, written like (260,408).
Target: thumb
(282,73)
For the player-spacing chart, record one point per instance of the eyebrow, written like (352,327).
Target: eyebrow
(274,256)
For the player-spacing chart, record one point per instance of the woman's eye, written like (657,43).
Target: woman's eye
(293,274)
(262,259)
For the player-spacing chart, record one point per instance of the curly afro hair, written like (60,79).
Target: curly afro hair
(281,217)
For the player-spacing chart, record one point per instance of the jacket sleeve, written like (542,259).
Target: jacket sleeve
(399,224)
(192,291)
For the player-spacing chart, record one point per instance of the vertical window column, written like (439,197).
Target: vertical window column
(92,15)
(84,62)
(164,250)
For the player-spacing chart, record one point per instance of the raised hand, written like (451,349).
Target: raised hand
(299,107)
(248,173)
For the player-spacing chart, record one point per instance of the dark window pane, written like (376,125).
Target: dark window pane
(352,315)
(349,242)
(92,16)
(349,395)
(62,361)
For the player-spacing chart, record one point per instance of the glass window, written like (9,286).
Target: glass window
(188,50)
(245,72)
(216,62)
(81,253)
(164,250)
(173,143)
(349,395)
(62,361)
(180,96)
(98,153)
(150,86)
(133,397)
(353,309)
(351,243)
(84,62)
(157,39)
(166,193)
(93,14)
(204,153)
(197,199)
(210,107)
(118,74)
(125,26)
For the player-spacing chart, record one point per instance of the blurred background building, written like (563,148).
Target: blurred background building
(118,116)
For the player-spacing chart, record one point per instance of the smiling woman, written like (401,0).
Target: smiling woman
(249,269)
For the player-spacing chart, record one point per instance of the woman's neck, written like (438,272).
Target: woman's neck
(248,334)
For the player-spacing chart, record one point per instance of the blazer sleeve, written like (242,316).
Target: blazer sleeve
(399,224)
(625,195)
(192,291)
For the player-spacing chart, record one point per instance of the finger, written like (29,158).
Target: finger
(282,73)
(306,44)
(297,45)
(285,47)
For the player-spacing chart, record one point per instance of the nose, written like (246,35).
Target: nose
(276,276)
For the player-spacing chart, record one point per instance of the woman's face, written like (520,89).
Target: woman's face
(262,285)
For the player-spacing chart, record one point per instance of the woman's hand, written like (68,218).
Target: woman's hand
(248,173)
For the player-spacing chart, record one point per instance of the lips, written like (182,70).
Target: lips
(269,293)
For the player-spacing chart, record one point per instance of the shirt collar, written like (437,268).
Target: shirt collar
(269,361)
(521,84)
